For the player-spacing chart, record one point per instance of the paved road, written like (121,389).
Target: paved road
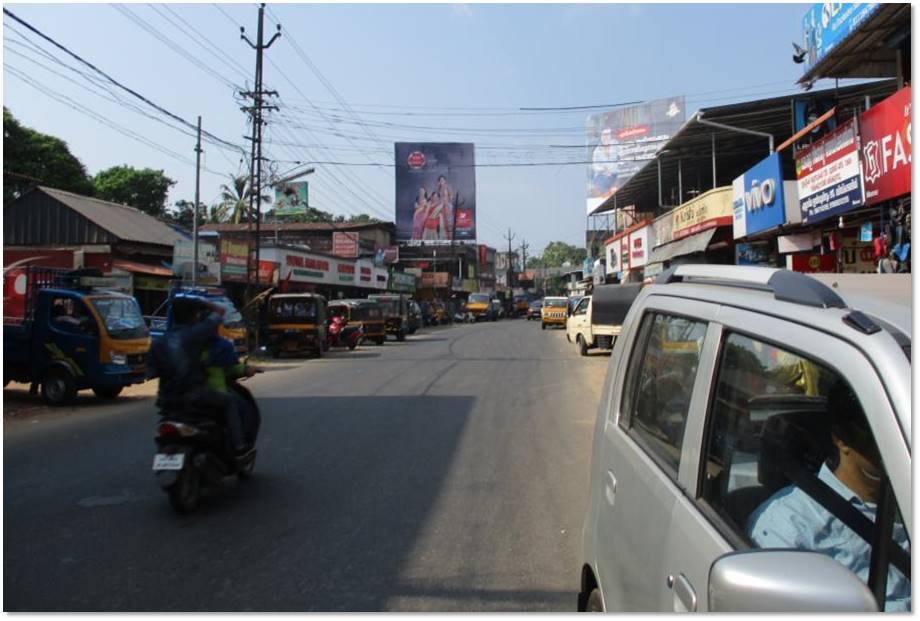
(446,473)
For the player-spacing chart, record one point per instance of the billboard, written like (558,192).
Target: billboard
(208,261)
(827,24)
(291,199)
(621,141)
(885,134)
(761,200)
(435,192)
(233,260)
(829,176)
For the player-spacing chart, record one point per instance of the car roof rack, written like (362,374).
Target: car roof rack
(785,285)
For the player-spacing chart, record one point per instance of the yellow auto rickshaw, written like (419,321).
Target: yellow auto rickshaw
(296,323)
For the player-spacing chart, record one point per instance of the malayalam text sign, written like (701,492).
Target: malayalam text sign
(886,149)
(829,177)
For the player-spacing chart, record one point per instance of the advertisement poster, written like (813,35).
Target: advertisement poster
(829,177)
(387,255)
(291,199)
(233,258)
(435,192)
(761,200)
(621,141)
(345,244)
(613,256)
(885,134)
(208,261)
(437,280)
(827,24)
(755,253)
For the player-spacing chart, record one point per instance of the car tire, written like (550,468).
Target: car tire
(594,602)
(400,336)
(582,345)
(108,393)
(58,387)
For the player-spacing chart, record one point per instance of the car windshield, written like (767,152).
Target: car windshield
(122,317)
(390,305)
(479,298)
(297,310)
(536,304)
(232,317)
(555,302)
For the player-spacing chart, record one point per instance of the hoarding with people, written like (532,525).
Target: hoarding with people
(435,192)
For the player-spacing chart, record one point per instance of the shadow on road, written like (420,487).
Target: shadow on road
(342,491)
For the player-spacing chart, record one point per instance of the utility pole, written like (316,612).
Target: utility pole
(510,237)
(255,175)
(195,209)
(524,247)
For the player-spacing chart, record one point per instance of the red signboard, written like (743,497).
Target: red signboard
(435,279)
(885,133)
(344,244)
(814,263)
(267,270)
(482,256)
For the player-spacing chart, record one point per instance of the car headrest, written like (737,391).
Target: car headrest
(790,440)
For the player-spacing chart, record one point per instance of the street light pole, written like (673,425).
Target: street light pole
(195,208)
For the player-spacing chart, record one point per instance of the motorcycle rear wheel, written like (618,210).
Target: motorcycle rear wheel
(185,492)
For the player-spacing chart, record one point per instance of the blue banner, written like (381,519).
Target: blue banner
(758,199)
(827,24)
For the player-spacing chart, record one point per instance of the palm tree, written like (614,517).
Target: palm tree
(235,197)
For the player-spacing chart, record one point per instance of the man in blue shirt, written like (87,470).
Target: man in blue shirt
(793,519)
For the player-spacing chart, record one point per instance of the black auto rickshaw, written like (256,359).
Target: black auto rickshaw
(296,323)
(395,313)
(367,313)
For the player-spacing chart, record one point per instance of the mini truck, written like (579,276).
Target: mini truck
(479,305)
(597,319)
(233,327)
(65,331)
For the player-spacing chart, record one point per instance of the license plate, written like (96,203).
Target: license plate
(162,461)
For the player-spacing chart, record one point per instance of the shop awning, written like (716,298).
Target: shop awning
(141,268)
(687,245)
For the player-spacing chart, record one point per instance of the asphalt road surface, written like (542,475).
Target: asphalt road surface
(445,473)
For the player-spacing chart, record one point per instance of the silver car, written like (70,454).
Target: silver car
(752,447)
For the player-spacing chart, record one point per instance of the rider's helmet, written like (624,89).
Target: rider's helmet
(188,308)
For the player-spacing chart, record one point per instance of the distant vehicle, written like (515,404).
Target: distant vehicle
(480,306)
(498,311)
(521,305)
(233,327)
(296,323)
(597,320)
(365,313)
(752,449)
(66,331)
(553,312)
(395,313)
(533,310)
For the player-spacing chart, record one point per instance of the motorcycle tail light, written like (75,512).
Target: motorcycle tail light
(168,430)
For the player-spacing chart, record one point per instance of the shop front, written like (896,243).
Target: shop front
(626,254)
(699,231)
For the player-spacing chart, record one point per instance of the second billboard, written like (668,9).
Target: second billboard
(435,192)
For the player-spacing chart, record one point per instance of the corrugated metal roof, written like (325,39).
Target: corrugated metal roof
(299,226)
(125,223)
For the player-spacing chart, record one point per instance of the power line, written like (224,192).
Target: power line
(132,92)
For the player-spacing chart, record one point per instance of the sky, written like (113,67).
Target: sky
(353,79)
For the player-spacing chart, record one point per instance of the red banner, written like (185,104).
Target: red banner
(885,133)
(814,262)
(345,244)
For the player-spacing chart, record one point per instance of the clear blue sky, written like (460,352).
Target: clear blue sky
(382,59)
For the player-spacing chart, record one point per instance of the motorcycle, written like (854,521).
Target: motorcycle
(340,334)
(194,453)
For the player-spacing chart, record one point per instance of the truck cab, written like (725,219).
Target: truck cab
(597,319)
(233,327)
(479,305)
(67,332)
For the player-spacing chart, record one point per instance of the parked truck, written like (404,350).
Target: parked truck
(597,319)
(233,327)
(65,331)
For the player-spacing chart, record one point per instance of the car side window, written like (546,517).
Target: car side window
(660,382)
(790,462)
(582,307)
(70,315)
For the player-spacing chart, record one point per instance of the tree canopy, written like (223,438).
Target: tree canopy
(559,254)
(31,157)
(145,189)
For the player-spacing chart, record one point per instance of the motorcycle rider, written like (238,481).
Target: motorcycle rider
(176,359)
(222,367)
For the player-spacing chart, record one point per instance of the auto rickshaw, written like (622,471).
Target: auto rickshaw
(296,323)
(367,313)
(395,313)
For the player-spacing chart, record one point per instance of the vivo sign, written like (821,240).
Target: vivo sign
(760,199)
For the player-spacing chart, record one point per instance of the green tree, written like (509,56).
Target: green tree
(145,189)
(181,213)
(31,157)
(558,254)
(235,198)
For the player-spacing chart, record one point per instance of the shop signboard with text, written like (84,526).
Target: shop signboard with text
(437,280)
(638,247)
(829,176)
(345,244)
(706,211)
(885,134)
(233,260)
(762,200)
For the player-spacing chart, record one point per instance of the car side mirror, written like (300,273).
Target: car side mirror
(785,581)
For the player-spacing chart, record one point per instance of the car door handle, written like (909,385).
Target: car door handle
(610,489)
(684,595)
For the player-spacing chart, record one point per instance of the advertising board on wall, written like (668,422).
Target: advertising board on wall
(435,192)
(706,211)
(386,255)
(639,247)
(829,176)
(233,258)
(885,133)
(761,200)
(438,280)
(827,24)
(209,272)
(345,244)
(612,251)
(621,141)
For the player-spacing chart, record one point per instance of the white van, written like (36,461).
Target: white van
(597,320)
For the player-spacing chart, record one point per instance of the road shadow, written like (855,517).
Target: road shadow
(343,488)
